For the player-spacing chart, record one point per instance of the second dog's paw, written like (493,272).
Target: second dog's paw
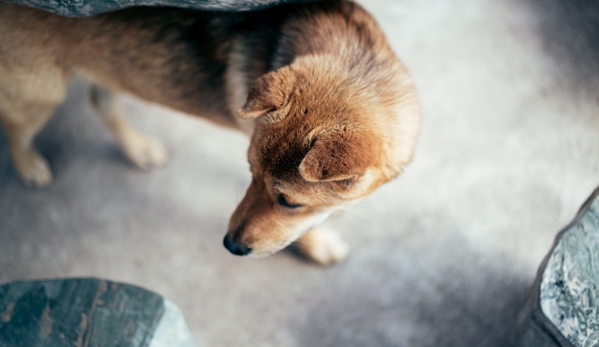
(323,246)
(34,170)
(145,152)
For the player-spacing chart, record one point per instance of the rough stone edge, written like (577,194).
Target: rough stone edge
(76,278)
(531,315)
(172,329)
(87,10)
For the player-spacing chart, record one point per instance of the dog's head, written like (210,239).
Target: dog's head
(322,139)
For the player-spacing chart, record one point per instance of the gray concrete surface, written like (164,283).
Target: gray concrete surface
(442,256)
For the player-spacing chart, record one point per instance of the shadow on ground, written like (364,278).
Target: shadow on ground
(569,34)
(449,296)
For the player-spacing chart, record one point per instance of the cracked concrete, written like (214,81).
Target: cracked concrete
(442,256)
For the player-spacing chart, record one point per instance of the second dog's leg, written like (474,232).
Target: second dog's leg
(322,246)
(144,151)
(21,128)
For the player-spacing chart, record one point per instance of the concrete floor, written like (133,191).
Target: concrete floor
(442,256)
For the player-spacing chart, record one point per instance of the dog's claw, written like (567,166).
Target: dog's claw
(323,246)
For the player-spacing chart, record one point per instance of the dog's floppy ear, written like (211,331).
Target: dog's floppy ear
(338,155)
(269,93)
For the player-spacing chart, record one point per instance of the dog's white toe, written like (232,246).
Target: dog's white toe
(323,246)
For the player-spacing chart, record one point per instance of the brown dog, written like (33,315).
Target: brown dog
(333,112)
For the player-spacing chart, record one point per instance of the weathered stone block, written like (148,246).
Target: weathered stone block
(87,312)
(563,308)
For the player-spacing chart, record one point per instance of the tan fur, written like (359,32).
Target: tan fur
(332,110)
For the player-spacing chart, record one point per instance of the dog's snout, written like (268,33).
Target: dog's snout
(236,247)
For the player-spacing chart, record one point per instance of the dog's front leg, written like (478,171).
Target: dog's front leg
(146,152)
(323,246)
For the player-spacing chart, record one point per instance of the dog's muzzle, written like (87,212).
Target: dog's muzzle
(236,247)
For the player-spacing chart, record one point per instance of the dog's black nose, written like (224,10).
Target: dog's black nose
(236,247)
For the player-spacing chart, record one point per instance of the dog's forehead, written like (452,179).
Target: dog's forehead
(275,159)
(278,149)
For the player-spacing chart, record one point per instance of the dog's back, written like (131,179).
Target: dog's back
(147,52)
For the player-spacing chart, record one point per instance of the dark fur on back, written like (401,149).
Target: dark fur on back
(199,43)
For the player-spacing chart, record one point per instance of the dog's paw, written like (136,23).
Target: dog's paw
(144,151)
(323,246)
(33,169)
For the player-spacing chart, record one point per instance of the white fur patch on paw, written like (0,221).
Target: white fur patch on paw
(145,152)
(34,170)
(323,246)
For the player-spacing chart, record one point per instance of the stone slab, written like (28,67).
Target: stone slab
(563,309)
(88,312)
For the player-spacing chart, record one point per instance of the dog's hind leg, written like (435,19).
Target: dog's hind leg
(144,151)
(28,95)
(21,126)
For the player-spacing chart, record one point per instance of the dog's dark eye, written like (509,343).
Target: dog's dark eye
(283,202)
